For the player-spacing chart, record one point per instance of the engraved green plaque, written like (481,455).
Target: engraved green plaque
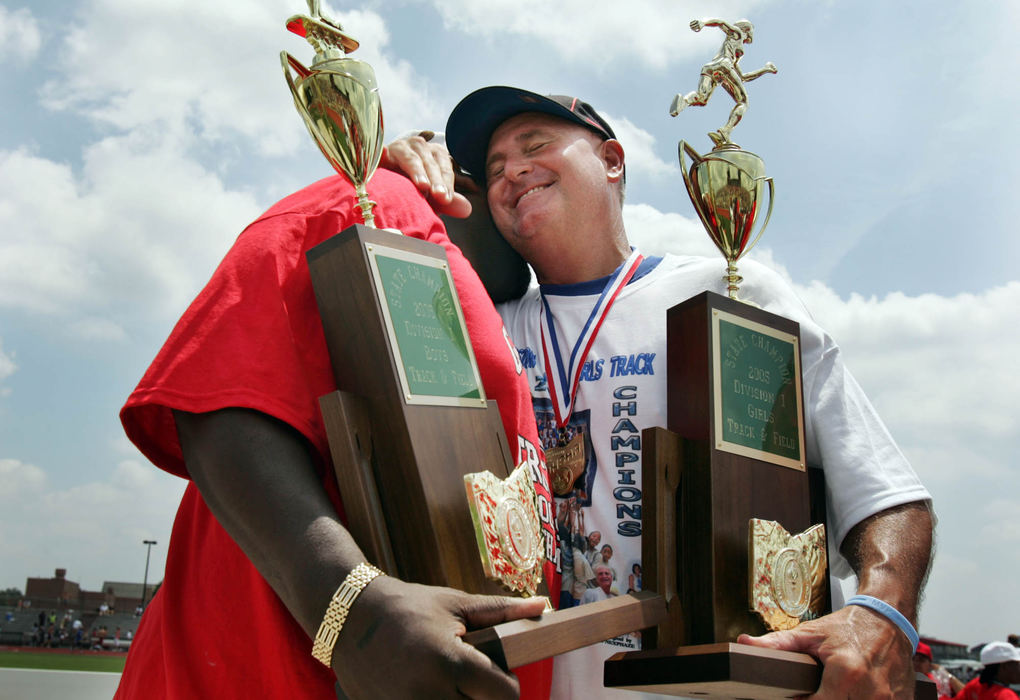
(757,391)
(426,327)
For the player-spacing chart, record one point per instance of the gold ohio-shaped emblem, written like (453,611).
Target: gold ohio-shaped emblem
(507,528)
(787,574)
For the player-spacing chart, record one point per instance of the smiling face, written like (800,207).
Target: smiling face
(549,180)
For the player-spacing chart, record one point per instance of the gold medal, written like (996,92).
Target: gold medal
(565,463)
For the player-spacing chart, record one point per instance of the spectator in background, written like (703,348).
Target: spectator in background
(924,663)
(1001,662)
(634,580)
(594,537)
(1014,639)
(604,581)
(602,558)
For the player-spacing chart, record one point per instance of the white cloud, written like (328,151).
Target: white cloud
(407,99)
(7,368)
(939,369)
(598,35)
(182,66)
(22,482)
(1001,525)
(140,227)
(640,150)
(212,68)
(94,529)
(951,609)
(20,39)
(657,233)
(97,329)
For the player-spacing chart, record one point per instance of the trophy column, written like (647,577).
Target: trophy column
(727,483)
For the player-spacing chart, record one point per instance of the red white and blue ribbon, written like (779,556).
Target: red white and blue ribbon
(564,380)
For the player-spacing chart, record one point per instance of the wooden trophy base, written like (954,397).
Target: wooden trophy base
(733,451)
(724,670)
(521,642)
(401,445)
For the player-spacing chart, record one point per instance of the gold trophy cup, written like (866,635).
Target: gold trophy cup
(727,187)
(338,99)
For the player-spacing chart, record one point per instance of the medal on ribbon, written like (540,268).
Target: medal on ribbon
(564,376)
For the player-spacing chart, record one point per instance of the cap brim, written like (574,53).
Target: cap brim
(473,120)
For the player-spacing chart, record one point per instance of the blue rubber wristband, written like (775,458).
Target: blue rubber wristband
(894,616)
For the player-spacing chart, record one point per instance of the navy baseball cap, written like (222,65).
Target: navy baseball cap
(472,122)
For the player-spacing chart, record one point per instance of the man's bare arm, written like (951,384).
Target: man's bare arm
(891,554)
(258,478)
(864,654)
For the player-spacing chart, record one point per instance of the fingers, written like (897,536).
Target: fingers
(459,207)
(479,677)
(429,166)
(404,641)
(438,172)
(784,640)
(860,655)
(484,611)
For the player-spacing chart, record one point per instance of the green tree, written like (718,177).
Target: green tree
(10,596)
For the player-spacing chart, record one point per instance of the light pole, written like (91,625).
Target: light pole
(145,583)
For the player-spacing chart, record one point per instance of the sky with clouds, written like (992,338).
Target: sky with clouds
(138,138)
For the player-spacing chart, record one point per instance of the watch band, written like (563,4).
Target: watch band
(339,607)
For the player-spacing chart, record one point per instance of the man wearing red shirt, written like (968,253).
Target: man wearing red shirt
(1002,668)
(259,544)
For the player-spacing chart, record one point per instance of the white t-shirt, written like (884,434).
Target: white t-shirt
(622,390)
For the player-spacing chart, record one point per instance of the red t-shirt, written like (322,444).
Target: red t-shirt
(252,339)
(976,690)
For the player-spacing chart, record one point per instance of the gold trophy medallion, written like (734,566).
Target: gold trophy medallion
(727,185)
(507,528)
(338,99)
(565,464)
(786,574)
